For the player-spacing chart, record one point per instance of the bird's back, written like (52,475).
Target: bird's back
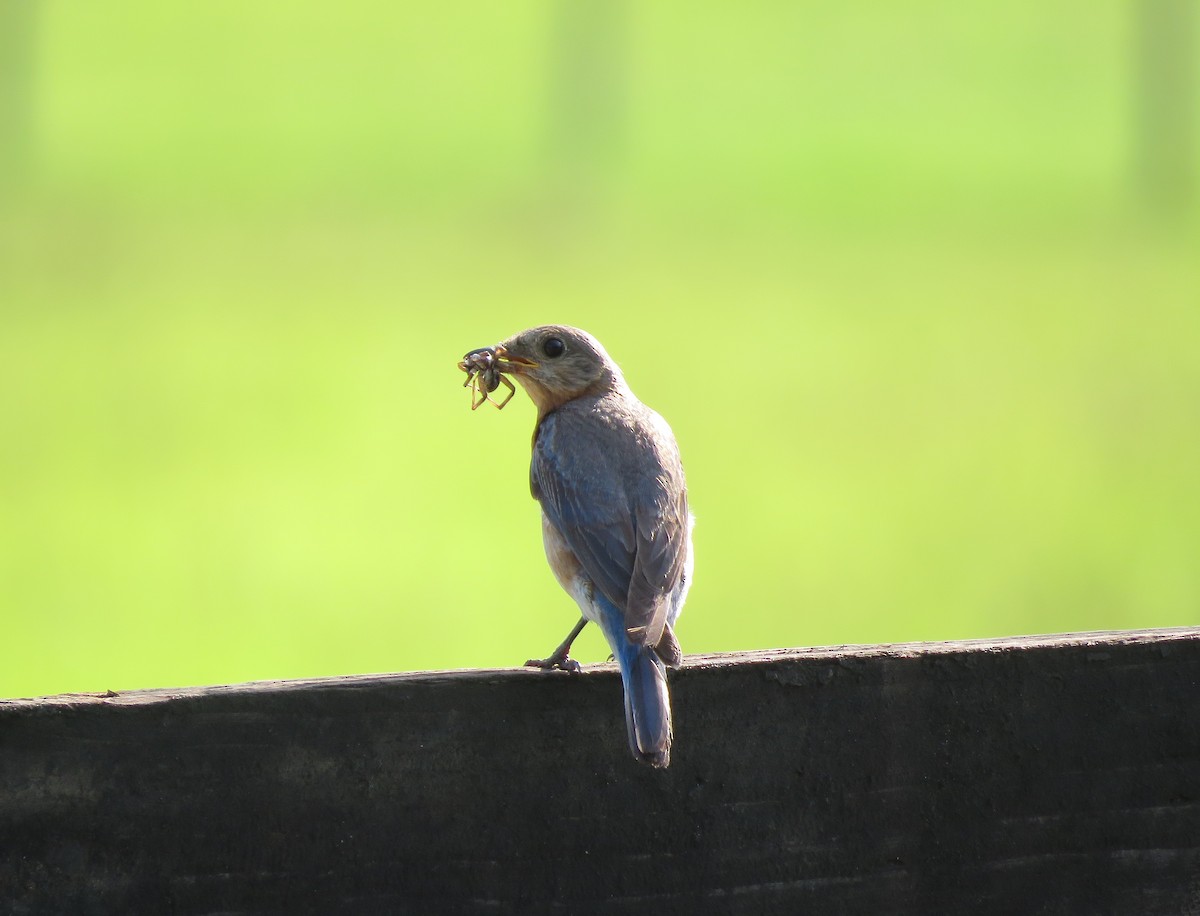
(607,473)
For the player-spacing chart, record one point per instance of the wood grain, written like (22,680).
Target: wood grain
(1038,775)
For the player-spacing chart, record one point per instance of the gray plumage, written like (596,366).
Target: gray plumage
(607,473)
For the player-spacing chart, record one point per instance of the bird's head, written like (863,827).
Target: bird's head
(556,364)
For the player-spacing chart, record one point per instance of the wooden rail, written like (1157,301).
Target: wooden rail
(1043,775)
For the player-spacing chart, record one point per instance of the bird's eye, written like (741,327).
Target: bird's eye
(554,347)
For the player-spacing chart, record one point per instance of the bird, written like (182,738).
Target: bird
(616,525)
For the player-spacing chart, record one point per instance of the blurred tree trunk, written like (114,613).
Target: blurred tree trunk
(1165,98)
(587,104)
(16,91)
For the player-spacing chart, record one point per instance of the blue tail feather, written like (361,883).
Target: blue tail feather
(647,704)
(644,677)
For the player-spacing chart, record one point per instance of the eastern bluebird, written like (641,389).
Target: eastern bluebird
(615,518)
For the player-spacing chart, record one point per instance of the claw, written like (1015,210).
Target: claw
(560,658)
(555,663)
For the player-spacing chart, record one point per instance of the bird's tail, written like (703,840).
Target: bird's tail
(647,704)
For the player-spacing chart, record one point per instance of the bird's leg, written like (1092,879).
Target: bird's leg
(560,657)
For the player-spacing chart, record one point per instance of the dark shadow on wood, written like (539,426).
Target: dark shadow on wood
(1044,775)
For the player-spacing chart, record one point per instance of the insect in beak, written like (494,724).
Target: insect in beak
(485,369)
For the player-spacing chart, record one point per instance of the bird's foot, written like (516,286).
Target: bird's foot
(555,662)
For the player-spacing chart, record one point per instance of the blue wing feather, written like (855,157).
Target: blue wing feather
(608,476)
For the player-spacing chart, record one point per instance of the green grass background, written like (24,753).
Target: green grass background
(934,371)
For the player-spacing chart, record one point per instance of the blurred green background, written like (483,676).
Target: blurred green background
(917,285)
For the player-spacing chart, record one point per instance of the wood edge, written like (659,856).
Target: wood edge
(1096,640)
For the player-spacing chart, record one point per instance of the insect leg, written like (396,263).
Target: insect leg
(512,389)
(478,395)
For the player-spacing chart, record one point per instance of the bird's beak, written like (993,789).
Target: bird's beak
(510,363)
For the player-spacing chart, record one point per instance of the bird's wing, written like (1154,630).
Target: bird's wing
(662,531)
(615,493)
